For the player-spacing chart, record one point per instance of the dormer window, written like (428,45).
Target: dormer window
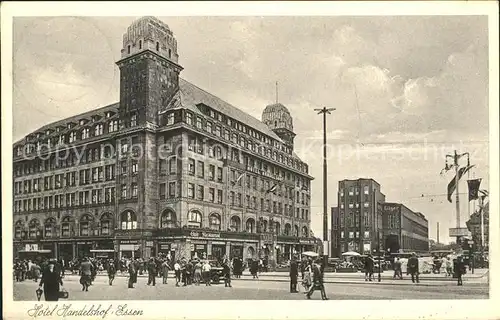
(82,122)
(128,49)
(86,133)
(113,126)
(169,53)
(38,135)
(133,120)
(61,139)
(72,136)
(140,44)
(98,130)
(19,151)
(108,114)
(47,132)
(157,46)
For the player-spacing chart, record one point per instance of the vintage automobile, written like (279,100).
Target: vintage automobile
(216,272)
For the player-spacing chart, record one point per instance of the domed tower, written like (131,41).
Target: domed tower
(277,117)
(149,69)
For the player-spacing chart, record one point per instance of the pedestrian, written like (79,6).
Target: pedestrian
(254,268)
(459,270)
(397,269)
(189,273)
(206,272)
(226,268)
(307,275)
(111,271)
(183,272)
(151,266)
(177,270)
(197,272)
(35,270)
(413,267)
(449,267)
(294,274)
(85,274)
(132,274)
(51,282)
(164,270)
(318,282)
(369,264)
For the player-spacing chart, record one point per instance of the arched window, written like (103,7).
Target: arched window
(85,225)
(128,220)
(157,46)
(106,223)
(214,221)
(305,232)
(34,229)
(194,219)
(250,253)
(235,224)
(168,219)
(18,229)
(140,44)
(296,231)
(66,225)
(49,228)
(250,225)
(288,229)
(277,228)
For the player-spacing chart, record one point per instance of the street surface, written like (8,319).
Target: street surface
(249,289)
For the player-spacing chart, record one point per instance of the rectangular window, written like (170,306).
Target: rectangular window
(171,189)
(191,190)
(219,174)
(201,169)
(170,119)
(124,191)
(231,198)
(198,123)
(219,196)
(191,164)
(135,167)
(367,234)
(172,165)
(365,190)
(200,193)
(240,204)
(189,118)
(367,204)
(134,190)
(211,194)
(124,167)
(211,172)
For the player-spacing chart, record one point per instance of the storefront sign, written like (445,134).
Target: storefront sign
(129,247)
(267,237)
(199,241)
(301,241)
(164,247)
(200,247)
(174,246)
(129,241)
(31,247)
(149,244)
(204,234)
(219,242)
(84,242)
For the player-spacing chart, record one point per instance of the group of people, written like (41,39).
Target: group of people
(312,276)
(452,268)
(27,270)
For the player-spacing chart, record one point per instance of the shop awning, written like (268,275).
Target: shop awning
(35,251)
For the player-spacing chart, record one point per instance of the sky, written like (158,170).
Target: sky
(407,89)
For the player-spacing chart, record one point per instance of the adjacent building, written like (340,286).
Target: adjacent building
(169,169)
(357,221)
(474,226)
(363,221)
(404,229)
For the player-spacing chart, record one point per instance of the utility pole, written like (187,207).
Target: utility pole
(325,111)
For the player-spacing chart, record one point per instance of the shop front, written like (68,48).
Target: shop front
(236,250)
(66,250)
(83,249)
(129,249)
(199,249)
(218,250)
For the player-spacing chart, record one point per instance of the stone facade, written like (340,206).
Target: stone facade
(184,172)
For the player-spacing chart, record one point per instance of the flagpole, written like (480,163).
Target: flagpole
(482,224)
(457,197)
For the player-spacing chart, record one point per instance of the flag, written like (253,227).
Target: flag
(484,194)
(473,188)
(452,185)
(239,178)
(272,189)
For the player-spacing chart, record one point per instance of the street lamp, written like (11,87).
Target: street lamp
(325,111)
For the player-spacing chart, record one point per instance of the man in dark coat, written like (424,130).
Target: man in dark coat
(318,281)
(85,274)
(111,271)
(294,274)
(254,268)
(369,265)
(132,273)
(459,269)
(413,267)
(152,272)
(51,282)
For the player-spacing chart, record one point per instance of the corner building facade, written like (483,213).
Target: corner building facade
(169,169)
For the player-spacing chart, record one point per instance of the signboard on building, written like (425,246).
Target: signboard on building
(196,234)
(459,232)
(31,247)
(149,244)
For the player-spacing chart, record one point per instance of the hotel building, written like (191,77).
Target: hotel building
(169,169)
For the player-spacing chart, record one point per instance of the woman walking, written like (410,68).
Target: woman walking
(51,282)
(197,272)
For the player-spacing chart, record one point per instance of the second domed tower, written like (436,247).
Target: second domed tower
(277,117)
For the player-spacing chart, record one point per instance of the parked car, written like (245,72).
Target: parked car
(216,272)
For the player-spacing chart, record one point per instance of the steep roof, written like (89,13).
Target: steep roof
(193,95)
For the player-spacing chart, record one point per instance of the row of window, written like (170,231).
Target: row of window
(69,179)
(73,199)
(245,142)
(355,191)
(75,135)
(355,235)
(199,145)
(355,205)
